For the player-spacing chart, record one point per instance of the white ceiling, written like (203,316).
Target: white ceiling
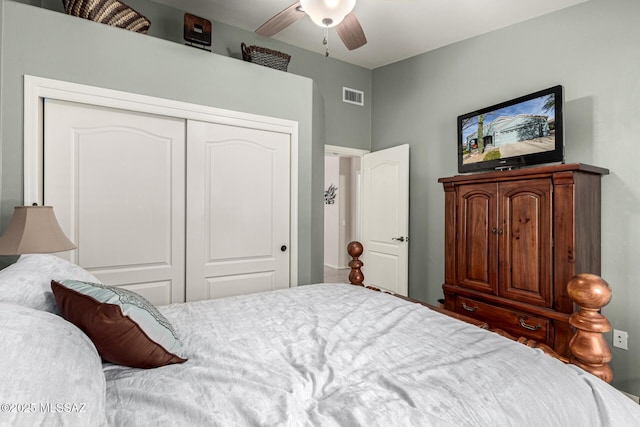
(395,29)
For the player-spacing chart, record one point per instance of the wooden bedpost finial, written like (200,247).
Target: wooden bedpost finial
(355,249)
(588,348)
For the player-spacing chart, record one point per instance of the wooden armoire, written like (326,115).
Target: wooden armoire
(513,239)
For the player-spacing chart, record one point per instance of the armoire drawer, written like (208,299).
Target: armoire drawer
(516,323)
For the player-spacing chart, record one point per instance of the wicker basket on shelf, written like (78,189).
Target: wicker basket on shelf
(110,12)
(267,57)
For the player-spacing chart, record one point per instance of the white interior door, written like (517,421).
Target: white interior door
(238,210)
(116,180)
(385,218)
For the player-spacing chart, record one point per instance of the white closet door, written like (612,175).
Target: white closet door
(116,180)
(238,189)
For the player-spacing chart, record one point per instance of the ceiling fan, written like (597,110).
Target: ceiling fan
(325,14)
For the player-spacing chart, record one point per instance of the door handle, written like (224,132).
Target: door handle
(400,239)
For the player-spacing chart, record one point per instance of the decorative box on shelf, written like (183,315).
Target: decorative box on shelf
(197,31)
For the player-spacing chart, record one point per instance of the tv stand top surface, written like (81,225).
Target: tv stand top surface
(532,172)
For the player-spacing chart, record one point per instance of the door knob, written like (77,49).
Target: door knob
(283,248)
(400,239)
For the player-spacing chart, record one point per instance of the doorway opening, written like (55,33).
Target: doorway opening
(342,173)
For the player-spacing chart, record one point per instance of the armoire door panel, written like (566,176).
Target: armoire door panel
(477,235)
(116,180)
(237,209)
(525,249)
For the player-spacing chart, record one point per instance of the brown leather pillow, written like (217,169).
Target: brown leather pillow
(125,328)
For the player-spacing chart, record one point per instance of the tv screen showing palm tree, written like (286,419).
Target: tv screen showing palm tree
(520,132)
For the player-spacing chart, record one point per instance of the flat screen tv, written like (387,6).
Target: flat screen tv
(521,132)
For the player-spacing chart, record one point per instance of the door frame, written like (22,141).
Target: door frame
(38,88)
(347,152)
(354,152)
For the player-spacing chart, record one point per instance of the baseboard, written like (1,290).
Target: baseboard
(335,267)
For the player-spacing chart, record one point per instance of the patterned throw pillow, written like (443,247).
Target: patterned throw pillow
(125,328)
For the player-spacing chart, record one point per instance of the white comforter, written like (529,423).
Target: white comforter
(332,355)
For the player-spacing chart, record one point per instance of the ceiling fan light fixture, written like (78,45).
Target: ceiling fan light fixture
(327,13)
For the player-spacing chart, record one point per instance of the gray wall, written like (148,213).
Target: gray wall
(346,124)
(72,50)
(591,49)
(66,48)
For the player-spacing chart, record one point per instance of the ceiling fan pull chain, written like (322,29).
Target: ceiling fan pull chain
(325,41)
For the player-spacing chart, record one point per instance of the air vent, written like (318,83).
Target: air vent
(352,96)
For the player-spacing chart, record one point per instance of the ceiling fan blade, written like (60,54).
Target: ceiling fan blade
(351,33)
(281,21)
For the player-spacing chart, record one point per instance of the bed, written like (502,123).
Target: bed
(316,355)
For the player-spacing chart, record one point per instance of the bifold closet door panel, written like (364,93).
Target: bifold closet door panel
(116,180)
(238,208)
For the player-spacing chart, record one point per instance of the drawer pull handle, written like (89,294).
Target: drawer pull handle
(527,326)
(468,308)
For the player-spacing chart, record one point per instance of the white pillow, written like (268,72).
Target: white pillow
(28,281)
(51,372)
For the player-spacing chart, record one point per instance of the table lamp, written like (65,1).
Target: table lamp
(34,230)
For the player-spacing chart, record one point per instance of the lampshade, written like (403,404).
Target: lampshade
(327,13)
(34,229)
